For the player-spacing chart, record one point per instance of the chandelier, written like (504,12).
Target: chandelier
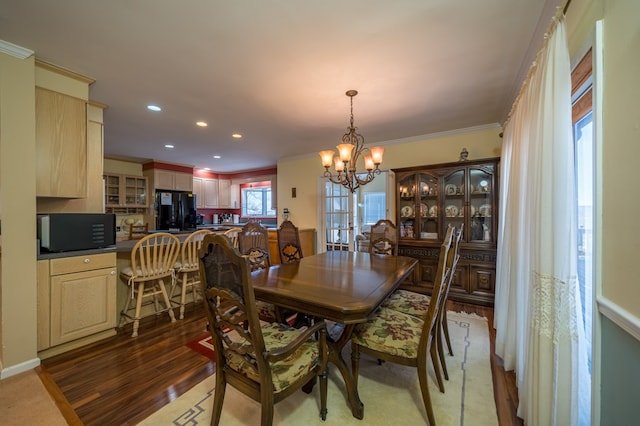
(346,162)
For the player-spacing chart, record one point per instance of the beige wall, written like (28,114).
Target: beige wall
(303,173)
(120,167)
(18,200)
(620,152)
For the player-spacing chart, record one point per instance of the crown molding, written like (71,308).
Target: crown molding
(15,50)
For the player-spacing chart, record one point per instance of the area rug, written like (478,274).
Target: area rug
(390,392)
(203,345)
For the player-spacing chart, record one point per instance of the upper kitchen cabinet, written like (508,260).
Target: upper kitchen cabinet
(174,181)
(125,194)
(61,145)
(228,194)
(168,177)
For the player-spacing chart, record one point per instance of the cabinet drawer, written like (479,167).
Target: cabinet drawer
(72,264)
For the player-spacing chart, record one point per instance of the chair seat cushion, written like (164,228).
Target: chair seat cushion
(391,332)
(408,302)
(286,371)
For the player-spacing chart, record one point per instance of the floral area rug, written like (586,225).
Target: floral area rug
(390,393)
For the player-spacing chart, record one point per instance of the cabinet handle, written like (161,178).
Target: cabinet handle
(113,272)
(87,260)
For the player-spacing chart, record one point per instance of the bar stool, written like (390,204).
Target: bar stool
(152,261)
(187,269)
(232,234)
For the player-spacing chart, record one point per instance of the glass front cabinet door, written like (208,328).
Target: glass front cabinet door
(460,194)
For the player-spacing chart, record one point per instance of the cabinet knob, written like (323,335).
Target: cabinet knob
(113,272)
(87,260)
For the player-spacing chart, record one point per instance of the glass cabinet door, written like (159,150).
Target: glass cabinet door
(135,191)
(454,197)
(480,205)
(428,207)
(406,206)
(112,190)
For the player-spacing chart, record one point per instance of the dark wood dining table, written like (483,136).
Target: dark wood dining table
(340,286)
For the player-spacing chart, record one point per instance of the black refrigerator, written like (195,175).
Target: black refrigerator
(176,211)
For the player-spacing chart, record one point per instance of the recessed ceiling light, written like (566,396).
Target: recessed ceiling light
(206,168)
(217,157)
(169,146)
(201,123)
(154,108)
(236,136)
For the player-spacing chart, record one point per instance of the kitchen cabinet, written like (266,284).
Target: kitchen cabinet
(125,194)
(428,199)
(76,298)
(307,244)
(228,194)
(198,191)
(210,189)
(172,181)
(61,145)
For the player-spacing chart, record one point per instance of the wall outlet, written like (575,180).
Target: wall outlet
(117,229)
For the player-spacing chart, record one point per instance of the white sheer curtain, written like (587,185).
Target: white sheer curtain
(538,318)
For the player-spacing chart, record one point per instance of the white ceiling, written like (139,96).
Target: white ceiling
(277,70)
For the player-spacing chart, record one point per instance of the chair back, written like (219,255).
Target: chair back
(230,305)
(289,242)
(440,283)
(138,231)
(253,241)
(154,256)
(232,234)
(383,238)
(189,251)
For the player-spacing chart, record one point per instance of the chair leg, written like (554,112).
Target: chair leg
(266,400)
(167,303)
(424,388)
(218,398)
(123,313)
(443,362)
(183,294)
(136,317)
(445,327)
(435,360)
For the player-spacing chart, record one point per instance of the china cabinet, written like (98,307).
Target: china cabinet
(428,199)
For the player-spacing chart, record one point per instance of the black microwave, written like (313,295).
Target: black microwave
(76,231)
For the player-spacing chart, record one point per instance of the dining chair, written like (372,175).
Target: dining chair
(403,339)
(153,259)
(383,238)
(289,246)
(187,270)
(417,304)
(253,241)
(138,231)
(232,234)
(265,361)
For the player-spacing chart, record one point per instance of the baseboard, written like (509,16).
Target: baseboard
(19,368)
(619,316)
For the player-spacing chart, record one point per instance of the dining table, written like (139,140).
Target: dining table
(341,286)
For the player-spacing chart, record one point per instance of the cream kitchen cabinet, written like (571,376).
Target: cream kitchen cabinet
(61,145)
(198,191)
(76,298)
(210,188)
(228,194)
(173,181)
(124,192)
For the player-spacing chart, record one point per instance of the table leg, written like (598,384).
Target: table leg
(335,356)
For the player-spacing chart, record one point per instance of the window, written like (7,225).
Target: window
(375,207)
(256,201)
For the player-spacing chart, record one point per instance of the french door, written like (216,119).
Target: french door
(344,215)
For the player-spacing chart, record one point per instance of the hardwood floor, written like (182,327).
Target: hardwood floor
(122,380)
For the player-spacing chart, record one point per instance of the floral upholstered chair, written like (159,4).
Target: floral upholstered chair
(403,339)
(417,304)
(265,361)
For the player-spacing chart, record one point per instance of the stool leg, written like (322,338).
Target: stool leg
(136,318)
(167,303)
(183,293)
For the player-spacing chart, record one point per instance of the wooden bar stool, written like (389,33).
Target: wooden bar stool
(153,259)
(188,270)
